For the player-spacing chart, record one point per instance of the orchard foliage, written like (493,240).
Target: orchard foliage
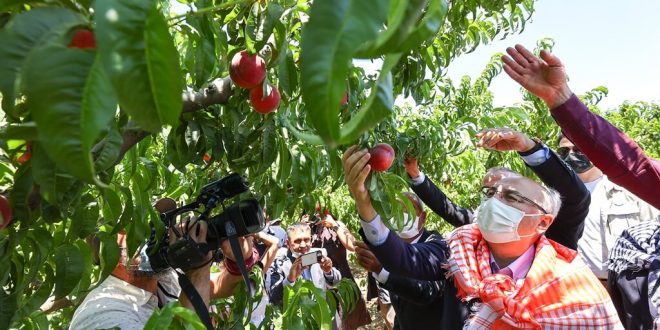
(95,129)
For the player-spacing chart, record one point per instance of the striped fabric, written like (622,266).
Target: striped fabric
(559,292)
(638,248)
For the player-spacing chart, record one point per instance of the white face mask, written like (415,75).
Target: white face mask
(499,222)
(411,229)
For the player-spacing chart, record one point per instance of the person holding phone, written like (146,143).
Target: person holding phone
(299,261)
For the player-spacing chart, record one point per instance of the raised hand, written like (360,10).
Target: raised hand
(356,171)
(412,168)
(544,77)
(504,139)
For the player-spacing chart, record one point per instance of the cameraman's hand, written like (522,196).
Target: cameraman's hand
(366,258)
(246,243)
(326,264)
(295,271)
(199,277)
(412,168)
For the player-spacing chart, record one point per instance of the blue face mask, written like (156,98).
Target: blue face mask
(499,222)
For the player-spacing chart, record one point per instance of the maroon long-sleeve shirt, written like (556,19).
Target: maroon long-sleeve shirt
(612,151)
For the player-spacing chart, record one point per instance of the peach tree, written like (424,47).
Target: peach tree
(108,105)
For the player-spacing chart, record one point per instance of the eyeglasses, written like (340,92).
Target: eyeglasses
(564,151)
(510,196)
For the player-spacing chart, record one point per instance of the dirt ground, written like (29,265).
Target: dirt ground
(377,322)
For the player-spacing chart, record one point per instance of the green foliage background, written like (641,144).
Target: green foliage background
(109,131)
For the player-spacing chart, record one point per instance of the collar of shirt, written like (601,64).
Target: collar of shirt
(418,237)
(518,268)
(120,288)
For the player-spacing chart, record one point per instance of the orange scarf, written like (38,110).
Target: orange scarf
(559,292)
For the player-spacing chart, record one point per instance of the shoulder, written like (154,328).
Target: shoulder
(106,308)
(619,196)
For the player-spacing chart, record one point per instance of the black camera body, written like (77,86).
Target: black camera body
(239,219)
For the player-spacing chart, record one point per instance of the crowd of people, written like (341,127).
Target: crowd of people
(581,250)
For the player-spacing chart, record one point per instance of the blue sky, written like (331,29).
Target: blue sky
(611,43)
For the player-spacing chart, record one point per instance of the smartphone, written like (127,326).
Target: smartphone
(311,258)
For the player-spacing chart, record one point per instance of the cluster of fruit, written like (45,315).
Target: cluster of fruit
(249,71)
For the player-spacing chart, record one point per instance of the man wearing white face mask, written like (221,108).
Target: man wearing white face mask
(569,223)
(417,304)
(520,280)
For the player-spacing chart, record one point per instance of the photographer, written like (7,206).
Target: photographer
(288,266)
(128,297)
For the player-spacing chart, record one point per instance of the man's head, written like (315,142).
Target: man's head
(299,238)
(495,174)
(416,221)
(578,161)
(515,214)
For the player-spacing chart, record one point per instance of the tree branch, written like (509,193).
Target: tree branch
(217,91)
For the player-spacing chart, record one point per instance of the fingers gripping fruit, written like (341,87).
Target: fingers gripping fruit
(382,156)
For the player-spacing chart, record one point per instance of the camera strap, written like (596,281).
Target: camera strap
(195,299)
(238,254)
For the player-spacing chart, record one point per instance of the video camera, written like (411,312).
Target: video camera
(241,218)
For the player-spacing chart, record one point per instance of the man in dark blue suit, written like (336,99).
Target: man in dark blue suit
(424,260)
(567,228)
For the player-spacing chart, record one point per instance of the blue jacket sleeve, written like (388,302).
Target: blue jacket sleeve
(422,261)
(569,223)
(437,201)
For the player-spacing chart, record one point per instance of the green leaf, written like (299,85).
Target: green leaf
(54,185)
(342,26)
(110,254)
(268,145)
(140,57)
(84,218)
(86,278)
(18,197)
(311,139)
(251,27)
(39,297)
(107,156)
(428,26)
(69,268)
(268,21)
(377,107)
(288,75)
(8,307)
(20,36)
(160,319)
(111,206)
(402,18)
(71,104)
(20,131)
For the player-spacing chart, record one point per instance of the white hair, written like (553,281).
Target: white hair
(552,200)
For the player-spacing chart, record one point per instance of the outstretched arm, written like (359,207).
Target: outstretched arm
(436,200)
(569,223)
(421,260)
(612,151)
